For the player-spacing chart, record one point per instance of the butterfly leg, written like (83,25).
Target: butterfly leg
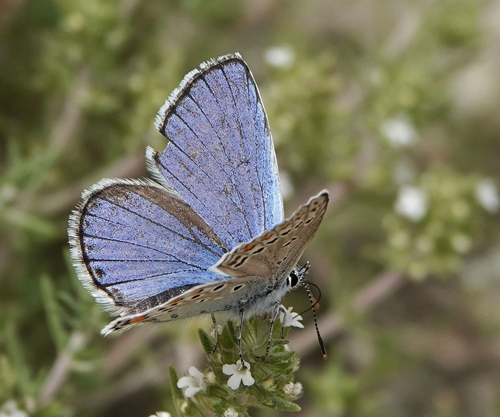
(240,331)
(216,334)
(283,310)
(276,310)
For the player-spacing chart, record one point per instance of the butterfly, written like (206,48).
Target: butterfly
(207,233)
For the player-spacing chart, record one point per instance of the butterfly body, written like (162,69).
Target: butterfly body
(207,235)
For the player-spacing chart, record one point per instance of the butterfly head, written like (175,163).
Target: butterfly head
(297,277)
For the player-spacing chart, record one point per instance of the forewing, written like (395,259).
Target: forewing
(221,158)
(274,253)
(136,244)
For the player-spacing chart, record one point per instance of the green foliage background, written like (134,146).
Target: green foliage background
(410,309)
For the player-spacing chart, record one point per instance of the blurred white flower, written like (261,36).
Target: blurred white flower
(230,412)
(399,131)
(193,383)
(412,203)
(279,56)
(240,374)
(289,318)
(10,409)
(161,414)
(293,390)
(487,195)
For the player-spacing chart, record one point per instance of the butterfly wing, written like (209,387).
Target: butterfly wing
(221,158)
(202,299)
(136,244)
(274,253)
(271,255)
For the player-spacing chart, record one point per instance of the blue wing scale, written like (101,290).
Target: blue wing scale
(134,240)
(221,157)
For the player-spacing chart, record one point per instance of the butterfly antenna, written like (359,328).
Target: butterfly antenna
(316,300)
(313,302)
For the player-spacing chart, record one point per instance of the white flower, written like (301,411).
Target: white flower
(412,203)
(161,414)
(279,56)
(290,319)
(194,382)
(487,195)
(230,412)
(9,409)
(399,131)
(293,390)
(239,374)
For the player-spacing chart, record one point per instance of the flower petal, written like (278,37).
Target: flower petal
(247,378)
(184,382)
(192,391)
(234,381)
(195,373)
(229,369)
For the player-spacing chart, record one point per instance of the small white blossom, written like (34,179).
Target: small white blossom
(293,390)
(240,374)
(193,383)
(161,414)
(399,132)
(412,203)
(279,56)
(10,409)
(230,412)
(289,318)
(487,195)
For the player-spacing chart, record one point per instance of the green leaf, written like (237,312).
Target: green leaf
(284,405)
(206,342)
(228,338)
(280,357)
(53,313)
(176,391)
(17,357)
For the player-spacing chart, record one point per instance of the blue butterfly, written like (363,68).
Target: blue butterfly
(207,234)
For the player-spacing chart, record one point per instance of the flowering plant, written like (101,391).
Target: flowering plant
(229,387)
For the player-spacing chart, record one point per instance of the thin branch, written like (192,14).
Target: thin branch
(60,369)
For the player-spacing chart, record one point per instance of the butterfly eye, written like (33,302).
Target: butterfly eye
(292,279)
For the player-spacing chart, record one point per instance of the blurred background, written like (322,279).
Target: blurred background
(393,106)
